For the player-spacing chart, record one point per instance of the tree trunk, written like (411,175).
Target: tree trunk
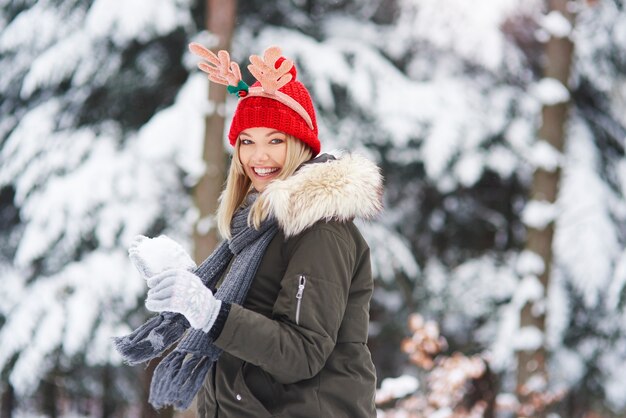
(107,409)
(8,402)
(49,393)
(558,58)
(220,21)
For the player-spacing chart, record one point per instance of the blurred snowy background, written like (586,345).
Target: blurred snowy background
(101,136)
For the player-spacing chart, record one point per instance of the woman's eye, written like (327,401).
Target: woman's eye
(245,142)
(277,141)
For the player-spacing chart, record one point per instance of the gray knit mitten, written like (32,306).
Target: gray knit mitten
(181,291)
(151,256)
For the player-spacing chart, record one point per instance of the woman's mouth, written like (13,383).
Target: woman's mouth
(265,172)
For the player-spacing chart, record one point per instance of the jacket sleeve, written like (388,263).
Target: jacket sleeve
(294,344)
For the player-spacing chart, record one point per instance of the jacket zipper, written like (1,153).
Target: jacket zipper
(301,285)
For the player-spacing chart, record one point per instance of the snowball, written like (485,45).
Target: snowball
(162,253)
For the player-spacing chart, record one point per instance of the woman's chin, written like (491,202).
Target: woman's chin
(260,182)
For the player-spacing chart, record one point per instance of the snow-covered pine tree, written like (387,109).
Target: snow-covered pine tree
(471,175)
(587,332)
(98,143)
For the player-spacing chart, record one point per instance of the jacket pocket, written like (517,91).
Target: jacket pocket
(264,388)
(245,395)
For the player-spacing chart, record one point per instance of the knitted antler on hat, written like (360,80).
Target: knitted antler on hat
(223,71)
(272,79)
(276,80)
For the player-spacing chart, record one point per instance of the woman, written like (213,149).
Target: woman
(285,332)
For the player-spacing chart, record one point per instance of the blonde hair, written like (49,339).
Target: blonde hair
(238,185)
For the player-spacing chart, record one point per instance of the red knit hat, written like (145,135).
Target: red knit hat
(277,100)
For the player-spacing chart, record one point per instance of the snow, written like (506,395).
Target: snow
(612,363)
(550,91)
(126,20)
(529,289)
(469,168)
(585,240)
(205,225)
(72,301)
(393,255)
(20,147)
(509,337)
(538,214)
(536,383)
(520,135)
(17,332)
(391,300)
(471,28)
(398,387)
(556,24)
(19,32)
(528,339)
(617,283)
(529,262)
(27,371)
(507,401)
(474,286)
(81,315)
(567,369)
(162,253)
(502,161)
(63,56)
(545,156)
(442,413)
(559,308)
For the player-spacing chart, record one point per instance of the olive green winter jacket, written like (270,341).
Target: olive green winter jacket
(297,346)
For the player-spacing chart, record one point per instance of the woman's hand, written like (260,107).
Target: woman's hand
(181,291)
(151,256)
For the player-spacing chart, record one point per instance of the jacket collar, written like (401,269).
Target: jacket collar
(326,188)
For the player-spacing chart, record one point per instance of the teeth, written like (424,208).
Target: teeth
(264,171)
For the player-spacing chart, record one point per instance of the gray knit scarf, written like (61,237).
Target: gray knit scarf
(179,376)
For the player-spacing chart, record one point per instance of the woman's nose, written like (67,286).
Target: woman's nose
(260,154)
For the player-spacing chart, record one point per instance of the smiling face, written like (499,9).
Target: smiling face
(262,153)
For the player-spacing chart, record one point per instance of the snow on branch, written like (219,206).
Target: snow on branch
(529,262)
(550,91)
(545,156)
(539,214)
(556,24)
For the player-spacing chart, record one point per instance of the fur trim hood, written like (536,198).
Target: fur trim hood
(337,189)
